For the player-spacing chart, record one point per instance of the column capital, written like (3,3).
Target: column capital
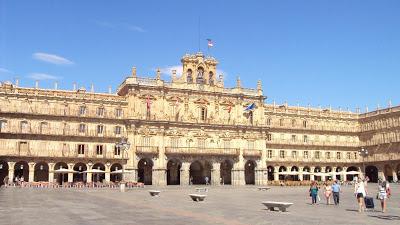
(11,165)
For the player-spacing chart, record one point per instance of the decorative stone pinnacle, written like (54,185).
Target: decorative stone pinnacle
(134,71)
(158,76)
(238,83)
(259,86)
(173,74)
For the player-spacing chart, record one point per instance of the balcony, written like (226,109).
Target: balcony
(202,151)
(382,157)
(314,143)
(312,160)
(147,150)
(60,132)
(252,153)
(12,150)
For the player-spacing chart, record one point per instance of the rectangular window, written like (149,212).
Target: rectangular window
(294,154)
(201,143)
(23,146)
(293,123)
(305,154)
(100,129)
(293,138)
(146,141)
(268,122)
(327,155)
(348,155)
(282,154)
(269,154)
(203,114)
(117,130)
(117,150)
(317,154)
(118,112)
(305,139)
(174,142)
(100,111)
(82,128)
(227,144)
(281,122)
(269,137)
(355,155)
(305,124)
(99,149)
(250,145)
(81,149)
(24,127)
(82,110)
(338,155)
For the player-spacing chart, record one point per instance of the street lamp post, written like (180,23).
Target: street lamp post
(124,145)
(363,153)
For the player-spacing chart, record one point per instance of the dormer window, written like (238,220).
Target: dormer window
(189,77)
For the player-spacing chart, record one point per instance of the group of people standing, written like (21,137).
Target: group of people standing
(360,192)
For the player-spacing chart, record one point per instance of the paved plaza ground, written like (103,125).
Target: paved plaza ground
(223,205)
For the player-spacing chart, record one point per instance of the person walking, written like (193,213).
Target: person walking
(360,192)
(206,179)
(336,189)
(313,192)
(383,194)
(327,193)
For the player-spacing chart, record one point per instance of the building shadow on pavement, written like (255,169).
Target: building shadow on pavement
(385,217)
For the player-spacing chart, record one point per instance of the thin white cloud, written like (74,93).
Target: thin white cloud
(122,26)
(43,76)
(51,58)
(4,70)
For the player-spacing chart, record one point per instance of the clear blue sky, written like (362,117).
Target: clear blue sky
(339,53)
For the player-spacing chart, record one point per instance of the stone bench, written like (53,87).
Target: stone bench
(197,197)
(263,188)
(202,189)
(282,206)
(154,193)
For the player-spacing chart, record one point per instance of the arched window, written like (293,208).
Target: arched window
(200,75)
(211,78)
(189,77)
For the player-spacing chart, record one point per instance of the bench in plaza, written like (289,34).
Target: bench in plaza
(263,188)
(202,189)
(154,193)
(197,197)
(282,206)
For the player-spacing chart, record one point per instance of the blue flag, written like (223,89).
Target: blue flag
(250,107)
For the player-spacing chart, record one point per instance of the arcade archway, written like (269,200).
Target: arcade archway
(250,172)
(173,172)
(372,173)
(226,172)
(79,176)
(145,171)
(115,175)
(3,171)
(199,172)
(21,170)
(41,172)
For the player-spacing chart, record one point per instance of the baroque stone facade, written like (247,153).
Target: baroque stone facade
(184,130)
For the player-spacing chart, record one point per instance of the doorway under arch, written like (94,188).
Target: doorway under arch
(114,177)
(145,171)
(282,169)
(351,177)
(41,172)
(250,172)
(99,177)
(388,171)
(226,172)
(199,172)
(79,176)
(60,177)
(21,170)
(3,171)
(174,172)
(372,173)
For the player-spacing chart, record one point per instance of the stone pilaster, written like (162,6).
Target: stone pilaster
(276,174)
(216,174)
(31,171)
(11,172)
(184,179)
(107,174)
(238,177)
(159,177)
(51,172)
(88,175)
(301,173)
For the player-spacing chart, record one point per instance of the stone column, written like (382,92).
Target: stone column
(261,177)
(312,170)
(70,175)
(11,172)
(216,174)
(107,174)
(323,170)
(343,175)
(184,179)
(238,177)
(301,173)
(51,172)
(394,174)
(276,173)
(31,171)
(159,176)
(334,173)
(88,175)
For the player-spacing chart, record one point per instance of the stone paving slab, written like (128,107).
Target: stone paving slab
(223,205)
